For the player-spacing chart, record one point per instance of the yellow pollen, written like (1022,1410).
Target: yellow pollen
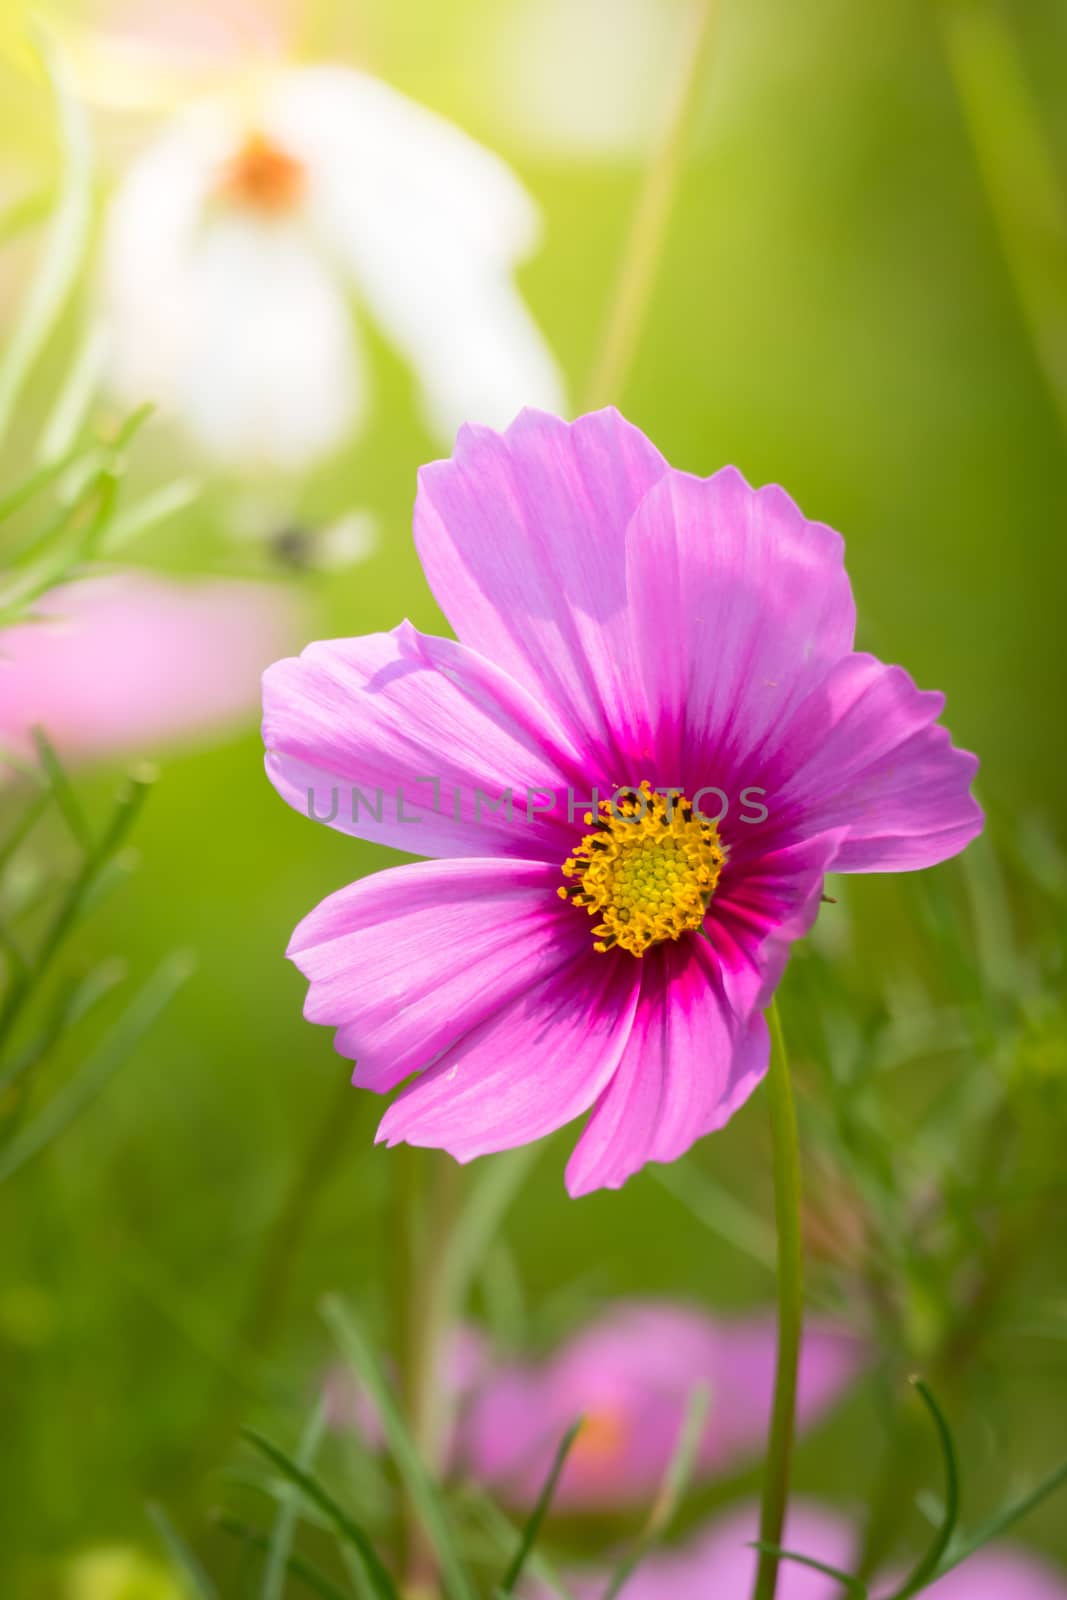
(262,177)
(648,870)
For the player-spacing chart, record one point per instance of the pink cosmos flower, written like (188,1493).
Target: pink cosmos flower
(622,628)
(719,1561)
(127,661)
(629,1374)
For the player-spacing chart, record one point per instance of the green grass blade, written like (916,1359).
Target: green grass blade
(923,1573)
(99,1067)
(346,1526)
(854,1586)
(540,1510)
(309,1576)
(64,245)
(182,1559)
(1005,1520)
(672,1489)
(281,1542)
(424,1493)
(61,786)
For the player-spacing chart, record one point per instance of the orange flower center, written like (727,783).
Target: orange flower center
(601,1438)
(262,177)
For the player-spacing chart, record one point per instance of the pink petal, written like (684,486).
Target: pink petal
(131,661)
(866,753)
(688,1065)
(405,962)
(534,1065)
(763,904)
(522,537)
(416,742)
(739,607)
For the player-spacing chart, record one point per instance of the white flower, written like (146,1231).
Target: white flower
(237,238)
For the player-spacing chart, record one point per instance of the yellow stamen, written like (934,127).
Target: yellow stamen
(262,176)
(647,871)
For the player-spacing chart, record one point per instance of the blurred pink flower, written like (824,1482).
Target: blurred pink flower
(719,1562)
(629,1374)
(129,661)
(239,236)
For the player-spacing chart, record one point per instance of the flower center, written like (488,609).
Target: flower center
(261,176)
(647,871)
(601,1438)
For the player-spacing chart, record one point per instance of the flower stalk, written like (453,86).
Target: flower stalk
(790,1309)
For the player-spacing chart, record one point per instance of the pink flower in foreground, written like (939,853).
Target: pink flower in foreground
(629,1374)
(719,1561)
(124,662)
(623,627)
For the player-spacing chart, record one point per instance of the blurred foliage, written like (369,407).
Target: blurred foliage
(847,307)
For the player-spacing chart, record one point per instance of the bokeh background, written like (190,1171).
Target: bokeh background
(862,296)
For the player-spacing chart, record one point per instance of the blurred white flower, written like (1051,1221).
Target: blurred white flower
(236,238)
(590,78)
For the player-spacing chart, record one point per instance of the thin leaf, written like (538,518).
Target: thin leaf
(719,1210)
(65,243)
(671,1490)
(1005,1520)
(349,1529)
(127,805)
(182,1558)
(854,1586)
(155,508)
(540,1510)
(505,1534)
(98,1068)
(77,999)
(424,1493)
(309,1576)
(927,1566)
(71,405)
(62,788)
(42,477)
(285,1524)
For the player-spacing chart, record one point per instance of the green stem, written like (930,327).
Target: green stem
(425,1219)
(790,1308)
(648,226)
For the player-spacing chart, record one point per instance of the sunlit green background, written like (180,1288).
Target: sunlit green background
(839,309)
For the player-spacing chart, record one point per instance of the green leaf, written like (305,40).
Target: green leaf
(926,1568)
(61,787)
(425,1495)
(99,1067)
(540,1510)
(672,1489)
(182,1558)
(720,1210)
(854,1586)
(1005,1520)
(285,1523)
(127,805)
(309,1576)
(346,1526)
(65,243)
